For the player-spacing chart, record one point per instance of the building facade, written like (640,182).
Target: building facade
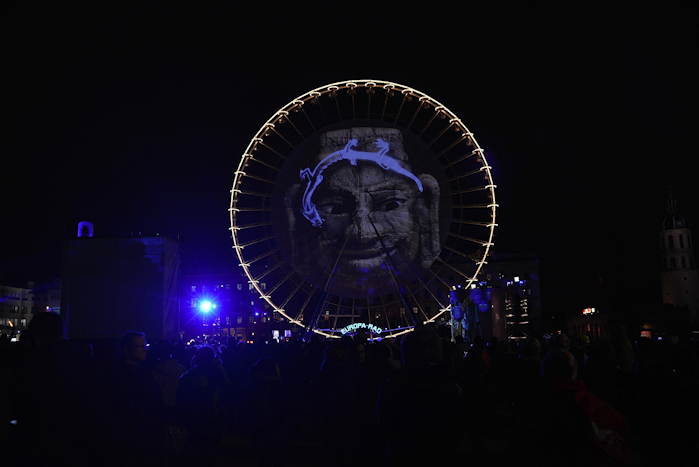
(679,277)
(112,285)
(16,305)
(228,305)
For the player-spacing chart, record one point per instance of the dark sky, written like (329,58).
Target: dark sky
(135,119)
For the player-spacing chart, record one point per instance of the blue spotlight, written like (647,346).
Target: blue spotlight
(206,306)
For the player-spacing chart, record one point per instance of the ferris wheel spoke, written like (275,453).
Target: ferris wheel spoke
(460,139)
(305,114)
(251,226)
(262,256)
(470,190)
(270,148)
(452,268)
(441,133)
(474,206)
(305,304)
(475,152)
(255,177)
(437,112)
(273,127)
(434,297)
(280,283)
(333,95)
(236,209)
(292,294)
(469,174)
(268,271)
(285,115)
(256,194)
(369,92)
(261,162)
(470,239)
(384,313)
(402,103)
(476,223)
(316,318)
(352,93)
(417,111)
(254,242)
(388,90)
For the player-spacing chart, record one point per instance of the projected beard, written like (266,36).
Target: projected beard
(362,218)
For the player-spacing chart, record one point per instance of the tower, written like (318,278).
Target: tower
(680,281)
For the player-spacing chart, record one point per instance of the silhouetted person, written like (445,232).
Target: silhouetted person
(202,405)
(581,428)
(52,395)
(138,430)
(410,421)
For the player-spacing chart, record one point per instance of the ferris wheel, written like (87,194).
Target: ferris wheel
(361,204)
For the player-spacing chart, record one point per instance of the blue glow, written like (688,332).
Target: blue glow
(85,229)
(206,306)
(314,177)
(354,326)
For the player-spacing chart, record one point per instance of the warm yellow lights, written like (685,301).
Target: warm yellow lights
(296,105)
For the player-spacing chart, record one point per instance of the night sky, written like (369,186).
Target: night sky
(135,119)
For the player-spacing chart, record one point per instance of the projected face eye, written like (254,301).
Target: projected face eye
(390,204)
(336,206)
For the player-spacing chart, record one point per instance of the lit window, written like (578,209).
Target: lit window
(194,288)
(263,285)
(239,286)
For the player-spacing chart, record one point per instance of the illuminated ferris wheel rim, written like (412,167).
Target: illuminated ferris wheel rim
(297,104)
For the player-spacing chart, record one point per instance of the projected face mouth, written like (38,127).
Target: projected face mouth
(362,260)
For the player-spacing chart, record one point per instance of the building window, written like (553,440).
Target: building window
(194,288)
(239,320)
(239,286)
(681,241)
(673,263)
(684,265)
(670,241)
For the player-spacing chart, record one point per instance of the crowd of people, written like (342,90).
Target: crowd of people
(347,402)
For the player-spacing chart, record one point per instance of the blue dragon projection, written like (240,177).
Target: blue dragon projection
(314,177)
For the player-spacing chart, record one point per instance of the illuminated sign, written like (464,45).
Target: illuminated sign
(354,326)
(589,311)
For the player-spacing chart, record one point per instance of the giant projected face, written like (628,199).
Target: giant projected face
(361,222)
